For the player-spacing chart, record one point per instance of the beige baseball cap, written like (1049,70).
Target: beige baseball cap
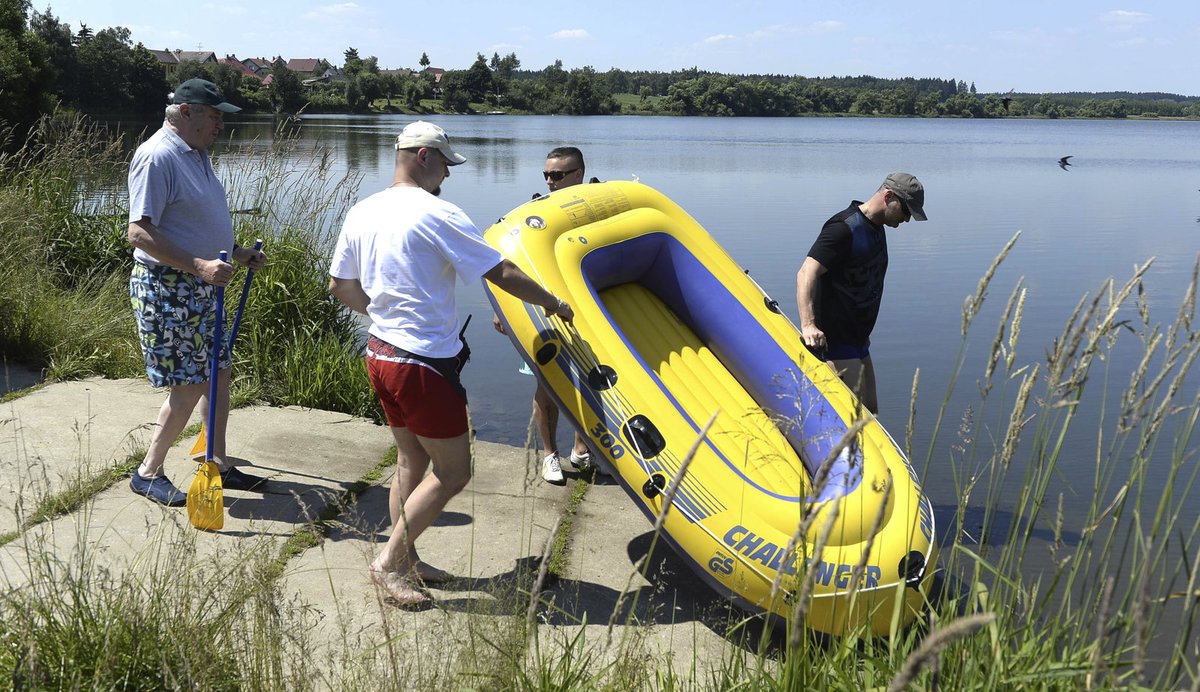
(426,134)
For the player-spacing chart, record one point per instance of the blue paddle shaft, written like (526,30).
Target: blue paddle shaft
(216,364)
(237,317)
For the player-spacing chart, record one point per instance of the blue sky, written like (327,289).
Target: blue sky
(1026,45)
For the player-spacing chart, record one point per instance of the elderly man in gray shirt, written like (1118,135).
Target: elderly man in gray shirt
(179,222)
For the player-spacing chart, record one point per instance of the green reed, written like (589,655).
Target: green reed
(64,293)
(1116,605)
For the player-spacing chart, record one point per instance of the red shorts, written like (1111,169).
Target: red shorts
(417,397)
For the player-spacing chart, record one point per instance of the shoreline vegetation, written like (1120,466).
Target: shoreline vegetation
(103,74)
(1089,620)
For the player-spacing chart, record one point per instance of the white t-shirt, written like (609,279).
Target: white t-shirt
(405,247)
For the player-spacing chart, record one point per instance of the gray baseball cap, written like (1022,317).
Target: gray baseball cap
(908,188)
(203,92)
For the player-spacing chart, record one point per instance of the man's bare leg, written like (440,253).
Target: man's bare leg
(450,460)
(545,414)
(411,466)
(172,418)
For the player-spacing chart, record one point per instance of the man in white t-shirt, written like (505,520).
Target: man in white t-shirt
(395,261)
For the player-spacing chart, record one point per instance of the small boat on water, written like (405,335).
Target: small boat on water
(788,484)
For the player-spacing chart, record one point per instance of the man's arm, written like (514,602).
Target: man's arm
(509,278)
(806,289)
(146,237)
(350,292)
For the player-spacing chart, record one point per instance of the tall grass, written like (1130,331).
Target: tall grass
(64,304)
(1114,602)
(177,622)
(60,297)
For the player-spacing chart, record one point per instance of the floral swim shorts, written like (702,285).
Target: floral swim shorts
(175,313)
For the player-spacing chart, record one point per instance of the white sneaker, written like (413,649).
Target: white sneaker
(552,470)
(583,462)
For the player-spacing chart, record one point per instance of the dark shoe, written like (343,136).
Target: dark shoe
(160,489)
(233,479)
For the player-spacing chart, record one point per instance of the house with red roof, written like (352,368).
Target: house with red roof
(238,65)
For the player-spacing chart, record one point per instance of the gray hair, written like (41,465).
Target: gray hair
(173,115)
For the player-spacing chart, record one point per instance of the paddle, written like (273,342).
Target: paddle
(205,497)
(197,452)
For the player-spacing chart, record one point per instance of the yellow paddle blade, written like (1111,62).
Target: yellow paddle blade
(206,498)
(200,449)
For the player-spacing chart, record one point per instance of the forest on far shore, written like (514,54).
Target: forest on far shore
(51,67)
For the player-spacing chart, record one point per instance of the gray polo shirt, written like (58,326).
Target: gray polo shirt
(175,186)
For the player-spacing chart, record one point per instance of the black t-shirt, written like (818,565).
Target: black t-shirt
(854,252)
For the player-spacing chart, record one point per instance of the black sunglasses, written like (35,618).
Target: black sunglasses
(557,175)
(903,205)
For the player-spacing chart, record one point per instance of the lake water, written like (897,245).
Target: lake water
(763,188)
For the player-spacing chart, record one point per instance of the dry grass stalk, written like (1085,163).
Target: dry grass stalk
(1017,420)
(912,415)
(973,304)
(998,343)
(1136,397)
(1187,308)
(543,569)
(800,613)
(668,498)
(857,572)
(1014,335)
(1165,407)
(620,604)
(1098,667)
(1064,347)
(819,482)
(1101,332)
(933,645)
(1107,510)
(1141,622)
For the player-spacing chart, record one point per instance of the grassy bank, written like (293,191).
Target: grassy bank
(64,292)
(1114,607)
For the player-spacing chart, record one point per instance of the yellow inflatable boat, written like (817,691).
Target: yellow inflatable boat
(779,499)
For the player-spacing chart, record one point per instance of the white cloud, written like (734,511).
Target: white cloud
(1124,18)
(571,35)
(773,31)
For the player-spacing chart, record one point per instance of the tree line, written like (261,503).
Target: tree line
(47,65)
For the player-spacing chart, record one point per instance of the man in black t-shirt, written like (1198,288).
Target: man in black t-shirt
(840,285)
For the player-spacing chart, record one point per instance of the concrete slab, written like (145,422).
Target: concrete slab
(311,458)
(66,431)
(491,535)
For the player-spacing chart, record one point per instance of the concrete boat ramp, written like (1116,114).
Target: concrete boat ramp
(329,477)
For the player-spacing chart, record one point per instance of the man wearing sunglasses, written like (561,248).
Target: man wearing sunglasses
(840,284)
(563,168)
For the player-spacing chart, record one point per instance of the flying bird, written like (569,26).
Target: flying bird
(1063,162)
